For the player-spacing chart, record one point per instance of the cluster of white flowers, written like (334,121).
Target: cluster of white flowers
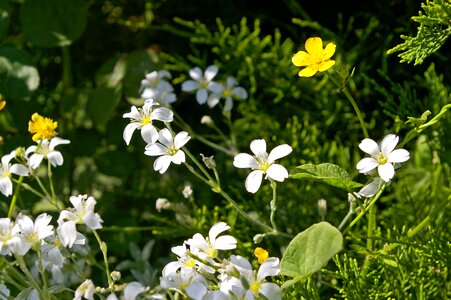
(200,273)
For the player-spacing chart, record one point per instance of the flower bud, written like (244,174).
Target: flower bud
(187,191)
(162,203)
(115,275)
(206,120)
(209,161)
(322,208)
(258,238)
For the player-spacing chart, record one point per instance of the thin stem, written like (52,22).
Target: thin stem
(41,185)
(371,226)
(14,199)
(348,215)
(191,169)
(273,204)
(29,188)
(52,189)
(198,164)
(42,271)
(104,249)
(365,210)
(30,277)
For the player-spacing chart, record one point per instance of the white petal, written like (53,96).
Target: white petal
(164,74)
(156,149)
(29,150)
(239,92)
(19,169)
(225,242)
(162,114)
(258,147)
(369,146)
(55,158)
(386,171)
(170,98)
(164,86)
(133,289)
(278,152)
(213,100)
(57,141)
(253,181)
(35,160)
(201,96)
(133,114)
(270,290)
(67,233)
(195,73)
(366,164)
(231,82)
(6,186)
(277,172)
(162,163)
(92,220)
(389,143)
(149,93)
(128,132)
(190,85)
(270,267)
(228,104)
(149,133)
(211,72)
(244,160)
(217,229)
(371,188)
(165,137)
(215,87)
(196,290)
(398,156)
(181,139)
(7,158)
(178,158)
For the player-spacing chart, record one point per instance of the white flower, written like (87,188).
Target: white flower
(141,118)
(9,237)
(163,97)
(202,83)
(156,80)
(371,188)
(383,156)
(46,150)
(184,260)
(68,234)
(208,247)
(133,289)
(6,186)
(262,163)
(32,233)
(227,92)
(255,282)
(86,290)
(168,149)
(194,284)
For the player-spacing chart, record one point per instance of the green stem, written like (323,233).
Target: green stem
(14,199)
(348,215)
(67,67)
(104,249)
(29,188)
(365,210)
(273,204)
(42,271)
(54,201)
(30,277)
(198,164)
(371,226)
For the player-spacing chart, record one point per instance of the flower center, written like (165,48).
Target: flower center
(381,158)
(190,263)
(264,166)
(146,120)
(172,150)
(203,84)
(4,172)
(227,92)
(255,287)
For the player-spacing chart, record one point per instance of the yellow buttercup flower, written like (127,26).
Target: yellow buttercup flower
(261,254)
(2,103)
(315,59)
(42,128)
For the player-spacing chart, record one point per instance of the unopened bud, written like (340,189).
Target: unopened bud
(206,120)
(322,208)
(162,203)
(258,238)
(187,191)
(209,161)
(115,275)
(20,153)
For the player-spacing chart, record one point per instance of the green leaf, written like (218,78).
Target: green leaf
(326,173)
(51,23)
(138,64)
(310,250)
(102,103)
(18,76)
(419,121)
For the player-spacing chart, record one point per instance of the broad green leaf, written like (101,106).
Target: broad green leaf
(4,18)
(102,103)
(51,23)
(138,64)
(310,250)
(18,76)
(327,173)
(111,72)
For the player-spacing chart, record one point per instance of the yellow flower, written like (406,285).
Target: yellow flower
(43,128)
(315,59)
(261,254)
(2,103)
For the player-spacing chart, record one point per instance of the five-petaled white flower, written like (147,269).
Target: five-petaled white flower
(32,233)
(228,91)
(46,150)
(141,118)
(202,83)
(383,156)
(262,163)
(6,186)
(169,149)
(208,247)
(157,88)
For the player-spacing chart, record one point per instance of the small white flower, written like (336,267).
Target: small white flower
(32,233)
(383,156)
(141,118)
(184,260)
(156,80)
(9,237)
(228,91)
(46,150)
(188,280)
(208,247)
(202,83)
(6,185)
(168,149)
(82,213)
(162,97)
(262,163)
(85,290)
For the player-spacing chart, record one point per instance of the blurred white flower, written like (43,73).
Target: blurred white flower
(262,163)
(208,247)
(184,260)
(228,91)
(4,291)
(46,150)
(156,81)
(133,289)
(141,118)
(383,156)
(202,83)
(6,169)
(85,290)
(168,149)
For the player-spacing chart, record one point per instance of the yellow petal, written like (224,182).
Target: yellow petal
(308,72)
(2,104)
(326,65)
(329,51)
(301,59)
(314,46)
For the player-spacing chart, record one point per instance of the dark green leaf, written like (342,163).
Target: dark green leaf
(102,103)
